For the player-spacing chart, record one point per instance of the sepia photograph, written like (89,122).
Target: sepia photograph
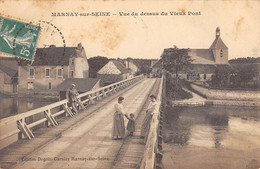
(129,84)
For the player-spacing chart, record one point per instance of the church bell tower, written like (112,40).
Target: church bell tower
(219,49)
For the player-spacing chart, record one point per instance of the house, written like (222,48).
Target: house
(129,64)
(82,85)
(8,75)
(113,71)
(157,69)
(51,67)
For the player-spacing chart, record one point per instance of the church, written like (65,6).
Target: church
(206,61)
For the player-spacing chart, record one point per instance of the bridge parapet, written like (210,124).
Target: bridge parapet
(153,150)
(17,127)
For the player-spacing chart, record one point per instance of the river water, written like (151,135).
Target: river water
(13,105)
(211,138)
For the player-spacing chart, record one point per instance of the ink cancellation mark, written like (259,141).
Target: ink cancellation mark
(18,38)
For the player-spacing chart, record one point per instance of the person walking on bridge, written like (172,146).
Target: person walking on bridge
(118,129)
(148,117)
(71,96)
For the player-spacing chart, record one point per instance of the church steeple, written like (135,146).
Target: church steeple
(217,32)
(219,49)
(218,43)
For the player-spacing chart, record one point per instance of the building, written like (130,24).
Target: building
(82,85)
(153,62)
(113,71)
(129,64)
(206,61)
(51,67)
(157,69)
(8,75)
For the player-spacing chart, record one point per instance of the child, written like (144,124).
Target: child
(131,124)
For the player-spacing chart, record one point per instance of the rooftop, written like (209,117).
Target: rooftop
(9,71)
(82,84)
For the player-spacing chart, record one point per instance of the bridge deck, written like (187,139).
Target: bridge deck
(84,141)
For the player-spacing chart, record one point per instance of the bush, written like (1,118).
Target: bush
(174,89)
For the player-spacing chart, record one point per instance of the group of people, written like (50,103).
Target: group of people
(118,129)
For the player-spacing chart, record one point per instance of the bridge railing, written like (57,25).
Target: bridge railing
(153,149)
(20,125)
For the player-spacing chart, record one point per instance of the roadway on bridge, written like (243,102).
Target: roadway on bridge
(88,144)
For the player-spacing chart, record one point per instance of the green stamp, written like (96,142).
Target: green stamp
(18,38)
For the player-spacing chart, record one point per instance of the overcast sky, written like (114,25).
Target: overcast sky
(144,36)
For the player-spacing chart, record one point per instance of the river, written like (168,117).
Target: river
(14,105)
(211,137)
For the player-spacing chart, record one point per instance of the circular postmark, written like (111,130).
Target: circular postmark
(51,34)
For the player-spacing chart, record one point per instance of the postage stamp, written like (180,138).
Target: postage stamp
(18,38)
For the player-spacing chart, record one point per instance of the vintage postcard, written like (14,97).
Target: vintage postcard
(130,84)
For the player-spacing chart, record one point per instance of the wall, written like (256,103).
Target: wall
(218,58)
(2,81)
(81,68)
(125,76)
(132,66)
(6,85)
(97,86)
(40,82)
(109,78)
(227,94)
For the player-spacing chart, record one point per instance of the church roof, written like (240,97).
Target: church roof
(218,44)
(203,53)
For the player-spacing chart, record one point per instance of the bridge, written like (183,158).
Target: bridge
(53,137)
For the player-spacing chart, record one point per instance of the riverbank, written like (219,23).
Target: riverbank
(226,94)
(198,100)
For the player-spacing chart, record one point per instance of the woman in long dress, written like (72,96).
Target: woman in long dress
(118,129)
(148,117)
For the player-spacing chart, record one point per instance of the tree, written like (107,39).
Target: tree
(246,74)
(175,60)
(245,60)
(95,64)
(221,78)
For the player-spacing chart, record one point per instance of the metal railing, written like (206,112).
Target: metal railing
(153,149)
(16,126)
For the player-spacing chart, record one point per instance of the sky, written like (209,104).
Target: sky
(142,36)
